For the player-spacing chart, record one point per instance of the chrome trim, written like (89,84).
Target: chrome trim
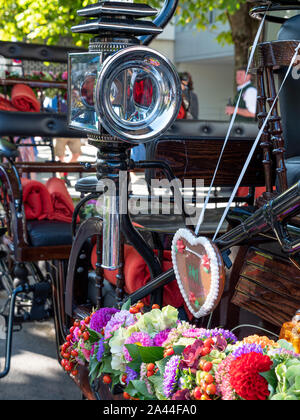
(159,119)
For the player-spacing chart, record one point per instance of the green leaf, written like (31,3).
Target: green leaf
(126,305)
(94,335)
(106,366)
(157,382)
(134,352)
(271,378)
(285,345)
(139,389)
(151,354)
(135,365)
(178,350)
(94,368)
(161,364)
(297,383)
(145,354)
(279,397)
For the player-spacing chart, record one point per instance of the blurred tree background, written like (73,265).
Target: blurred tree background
(49,21)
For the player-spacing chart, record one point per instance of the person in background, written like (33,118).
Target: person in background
(57,104)
(247,108)
(190,106)
(60,151)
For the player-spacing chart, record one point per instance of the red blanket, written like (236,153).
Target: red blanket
(37,200)
(51,201)
(6,105)
(62,202)
(23,98)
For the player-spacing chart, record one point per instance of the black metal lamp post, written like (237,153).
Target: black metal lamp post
(121,94)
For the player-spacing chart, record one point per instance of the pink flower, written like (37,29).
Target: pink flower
(139,338)
(64,76)
(191,355)
(222,377)
(85,352)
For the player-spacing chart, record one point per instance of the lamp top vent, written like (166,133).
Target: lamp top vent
(121,17)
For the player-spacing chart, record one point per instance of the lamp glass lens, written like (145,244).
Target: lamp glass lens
(83,70)
(137,95)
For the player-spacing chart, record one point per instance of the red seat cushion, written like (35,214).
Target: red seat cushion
(137,275)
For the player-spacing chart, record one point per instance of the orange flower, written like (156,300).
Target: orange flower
(262,341)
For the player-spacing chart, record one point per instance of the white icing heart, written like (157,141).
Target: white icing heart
(216,271)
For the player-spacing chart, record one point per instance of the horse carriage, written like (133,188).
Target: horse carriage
(238,270)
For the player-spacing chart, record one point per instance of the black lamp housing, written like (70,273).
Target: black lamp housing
(120,89)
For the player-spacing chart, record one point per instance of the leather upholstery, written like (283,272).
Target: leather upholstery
(290,106)
(36,52)
(31,124)
(87,184)
(293,170)
(49,233)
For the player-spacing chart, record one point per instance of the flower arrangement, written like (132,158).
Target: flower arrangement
(155,356)
(89,210)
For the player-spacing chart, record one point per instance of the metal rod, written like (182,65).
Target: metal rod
(10,326)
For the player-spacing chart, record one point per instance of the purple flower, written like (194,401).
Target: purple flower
(100,318)
(220,343)
(131,375)
(139,338)
(247,348)
(228,335)
(118,320)
(101,350)
(161,337)
(170,375)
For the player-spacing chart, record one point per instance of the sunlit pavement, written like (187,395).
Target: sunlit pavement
(35,373)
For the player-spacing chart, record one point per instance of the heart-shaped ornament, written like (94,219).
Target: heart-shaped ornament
(199,270)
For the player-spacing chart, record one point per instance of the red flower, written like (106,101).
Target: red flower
(245,377)
(191,355)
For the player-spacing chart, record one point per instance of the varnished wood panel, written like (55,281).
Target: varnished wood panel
(197,159)
(264,308)
(268,287)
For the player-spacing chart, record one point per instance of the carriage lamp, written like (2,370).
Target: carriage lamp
(121,94)
(120,88)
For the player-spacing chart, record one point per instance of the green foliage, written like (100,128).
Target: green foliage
(50,21)
(41,21)
(288,380)
(145,354)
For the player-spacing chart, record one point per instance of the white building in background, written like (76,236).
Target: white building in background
(210,64)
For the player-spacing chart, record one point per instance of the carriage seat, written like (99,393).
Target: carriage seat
(289,102)
(8,150)
(293,170)
(87,184)
(44,233)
